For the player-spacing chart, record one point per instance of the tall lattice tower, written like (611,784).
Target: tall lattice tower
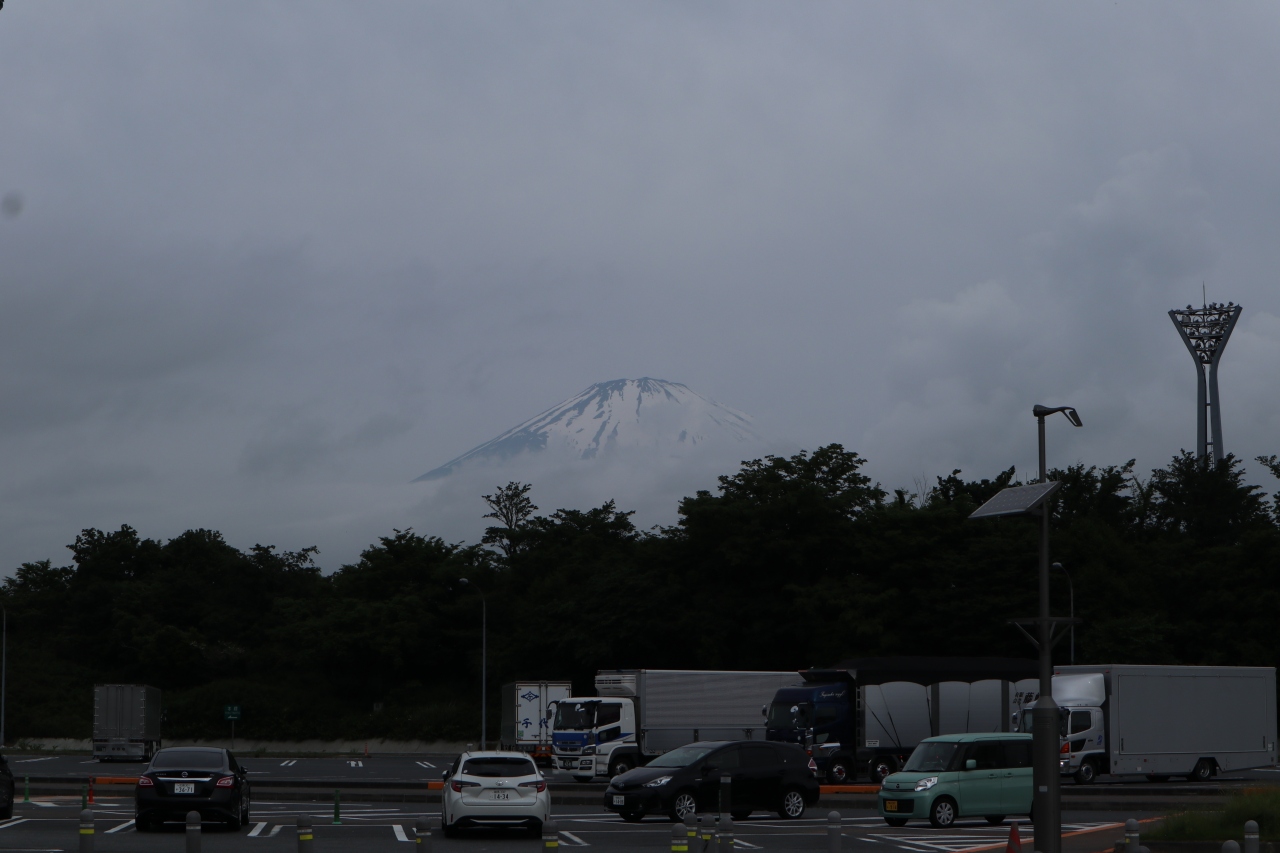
(1205,331)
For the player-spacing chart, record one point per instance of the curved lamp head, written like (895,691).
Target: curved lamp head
(463,580)
(1044,411)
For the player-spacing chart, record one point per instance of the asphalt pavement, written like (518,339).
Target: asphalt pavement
(50,825)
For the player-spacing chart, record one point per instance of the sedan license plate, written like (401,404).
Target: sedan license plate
(184,787)
(891,805)
(501,795)
(619,800)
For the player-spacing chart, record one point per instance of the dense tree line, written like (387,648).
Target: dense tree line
(792,562)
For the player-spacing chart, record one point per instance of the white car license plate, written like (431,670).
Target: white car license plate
(184,787)
(619,800)
(501,795)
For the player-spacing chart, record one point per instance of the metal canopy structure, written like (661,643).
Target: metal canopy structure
(924,670)
(1205,331)
(1017,500)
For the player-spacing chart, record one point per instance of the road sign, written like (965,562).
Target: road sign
(231,712)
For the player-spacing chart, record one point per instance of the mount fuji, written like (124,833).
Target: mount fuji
(645,414)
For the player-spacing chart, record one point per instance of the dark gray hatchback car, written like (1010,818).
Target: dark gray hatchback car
(765,776)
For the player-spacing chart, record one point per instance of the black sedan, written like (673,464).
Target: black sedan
(765,776)
(6,789)
(188,778)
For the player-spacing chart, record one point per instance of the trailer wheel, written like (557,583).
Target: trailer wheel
(1087,772)
(1202,772)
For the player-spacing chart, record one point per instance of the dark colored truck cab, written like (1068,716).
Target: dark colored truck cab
(828,714)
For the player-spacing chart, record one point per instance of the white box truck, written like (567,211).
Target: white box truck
(638,714)
(525,725)
(126,722)
(1161,721)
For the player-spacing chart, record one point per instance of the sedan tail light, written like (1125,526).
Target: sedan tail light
(458,786)
(540,785)
(226,782)
(145,782)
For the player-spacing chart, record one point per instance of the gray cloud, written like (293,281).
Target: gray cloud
(272,265)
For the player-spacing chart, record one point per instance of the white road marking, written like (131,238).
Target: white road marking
(289,763)
(90,761)
(29,760)
(257,829)
(427,764)
(575,839)
(738,842)
(356,763)
(44,803)
(275,830)
(120,828)
(13,822)
(399,830)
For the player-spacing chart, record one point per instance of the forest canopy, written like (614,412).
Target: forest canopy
(792,562)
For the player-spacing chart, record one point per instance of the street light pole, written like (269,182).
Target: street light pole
(4,669)
(1044,714)
(1071,594)
(484,660)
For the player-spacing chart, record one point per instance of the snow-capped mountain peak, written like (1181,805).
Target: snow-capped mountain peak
(623,414)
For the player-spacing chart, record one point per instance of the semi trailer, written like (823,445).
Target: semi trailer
(126,722)
(872,712)
(1158,722)
(639,714)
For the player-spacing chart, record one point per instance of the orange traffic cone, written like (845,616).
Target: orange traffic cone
(1015,842)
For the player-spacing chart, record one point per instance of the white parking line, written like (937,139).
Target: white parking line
(427,764)
(13,822)
(356,763)
(29,760)
(257,829)
(275,830)
(119,828)
(575,839)
(738,842)
(289,763)
(44,803)
(399,830)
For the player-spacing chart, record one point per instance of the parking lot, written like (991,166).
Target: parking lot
(51,824)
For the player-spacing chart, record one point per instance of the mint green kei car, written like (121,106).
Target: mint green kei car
(955,776)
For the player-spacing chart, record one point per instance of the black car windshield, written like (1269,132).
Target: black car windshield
(187,759)
(787,715)
(498,767)
(580,715)
(682,757)
(931,757)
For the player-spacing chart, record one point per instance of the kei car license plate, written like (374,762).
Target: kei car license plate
(619,800)
(891,805)
(501,795)
(184,787)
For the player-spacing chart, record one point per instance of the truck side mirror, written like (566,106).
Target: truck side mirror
(971,764)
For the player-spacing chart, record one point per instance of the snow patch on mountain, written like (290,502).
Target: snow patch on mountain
(619,416)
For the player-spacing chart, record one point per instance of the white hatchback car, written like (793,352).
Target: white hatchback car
(494,789)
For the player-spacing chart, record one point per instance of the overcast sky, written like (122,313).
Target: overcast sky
(263,264)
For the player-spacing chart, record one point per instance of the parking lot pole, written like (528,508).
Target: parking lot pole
(704,827)
(679,839)
(304,834)
(86,831)
(422,835)
(337,807)
(26,789)
(1230,847)
(726,834)
(550,835)
(193,832)
(691,833)
(1131,836)
(726,794)
(833,832)
(1250,836)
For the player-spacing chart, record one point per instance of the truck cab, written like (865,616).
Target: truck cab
(1082,751)
(594,736)
(819,718)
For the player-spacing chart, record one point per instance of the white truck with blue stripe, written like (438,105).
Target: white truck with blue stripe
(638,714)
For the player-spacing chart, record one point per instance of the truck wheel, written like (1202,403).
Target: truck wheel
(1087,773)
(683,805)
(942,813)
(621,765)
(839,770)
(881,767)
(1202,772)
